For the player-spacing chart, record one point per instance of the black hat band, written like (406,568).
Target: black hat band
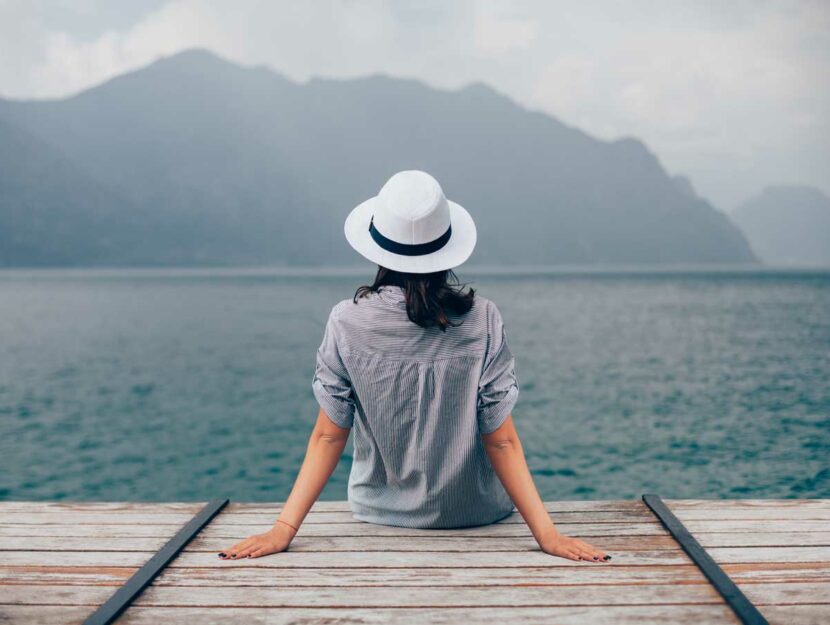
(408,249)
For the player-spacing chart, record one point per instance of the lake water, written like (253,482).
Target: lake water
(188,385)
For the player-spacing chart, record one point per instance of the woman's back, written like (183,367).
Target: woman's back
(418,400)
(423,374)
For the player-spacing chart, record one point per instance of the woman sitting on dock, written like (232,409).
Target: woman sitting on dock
(423,373)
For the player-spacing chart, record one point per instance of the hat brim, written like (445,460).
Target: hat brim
(456,251)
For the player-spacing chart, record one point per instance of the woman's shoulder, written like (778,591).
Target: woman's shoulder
(353,304)
(344,306)
(351,310)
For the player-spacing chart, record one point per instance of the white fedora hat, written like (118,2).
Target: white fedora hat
(411,227)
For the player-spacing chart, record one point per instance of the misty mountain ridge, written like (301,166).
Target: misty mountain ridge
(787,225)
(196,160)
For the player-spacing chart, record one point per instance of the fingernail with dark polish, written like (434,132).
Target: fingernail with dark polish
(596,557)
(223,555)
(607,558)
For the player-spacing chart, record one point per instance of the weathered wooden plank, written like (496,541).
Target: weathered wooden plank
(613,541)
(345,559)
(814,614)
(749,526)
(539,576)
(91,531)
(578,615)
(446,542)
(63,575)
(778,572)
(267,518)
(681,504)
(743,532)
(484,577)
(792,593)
(515,529)
(398,597)
(290,559)
(95,518)
(737,555)
(329,544)
(764,539)
(18,594)
(678,574)
(754,513)
(380,597)
(649,528)
(620,575)
(723,555)
(442,544)
(373,596)
(216,530)
(43,615)
(708,515)
(241,576)
(70,507)
(74,543)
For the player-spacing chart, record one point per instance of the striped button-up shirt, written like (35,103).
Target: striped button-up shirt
(418,400)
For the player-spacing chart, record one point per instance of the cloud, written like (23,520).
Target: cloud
(735,106)
(498,32)
(67,64)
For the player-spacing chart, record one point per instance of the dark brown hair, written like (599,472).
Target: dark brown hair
(429,296)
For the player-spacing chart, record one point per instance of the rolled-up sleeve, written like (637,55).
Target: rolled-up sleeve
(331,384)
(498,388)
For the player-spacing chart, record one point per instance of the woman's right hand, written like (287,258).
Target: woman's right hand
(273,541)
(557,544)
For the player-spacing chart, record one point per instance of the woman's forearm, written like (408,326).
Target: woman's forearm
(322,455)
(325,446)
(504,448)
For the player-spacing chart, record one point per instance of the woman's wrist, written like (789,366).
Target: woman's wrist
(548,532)
(280,523)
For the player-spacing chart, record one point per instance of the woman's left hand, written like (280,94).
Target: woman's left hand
(273,541)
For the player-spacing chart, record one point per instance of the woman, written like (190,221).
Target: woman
(423,373)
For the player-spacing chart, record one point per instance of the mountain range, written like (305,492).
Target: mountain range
(195,160)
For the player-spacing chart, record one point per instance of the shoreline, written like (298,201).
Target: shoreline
(269,271)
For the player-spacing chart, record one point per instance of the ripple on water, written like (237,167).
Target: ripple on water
(684,385)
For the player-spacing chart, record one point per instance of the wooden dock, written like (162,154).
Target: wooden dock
(61,561)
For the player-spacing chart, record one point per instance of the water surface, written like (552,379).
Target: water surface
(187,385)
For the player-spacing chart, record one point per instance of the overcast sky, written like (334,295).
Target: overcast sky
(734,94)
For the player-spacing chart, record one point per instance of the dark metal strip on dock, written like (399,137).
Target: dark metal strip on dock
(733,596)
(142,578)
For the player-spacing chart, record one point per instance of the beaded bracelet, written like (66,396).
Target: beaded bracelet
(288,524)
